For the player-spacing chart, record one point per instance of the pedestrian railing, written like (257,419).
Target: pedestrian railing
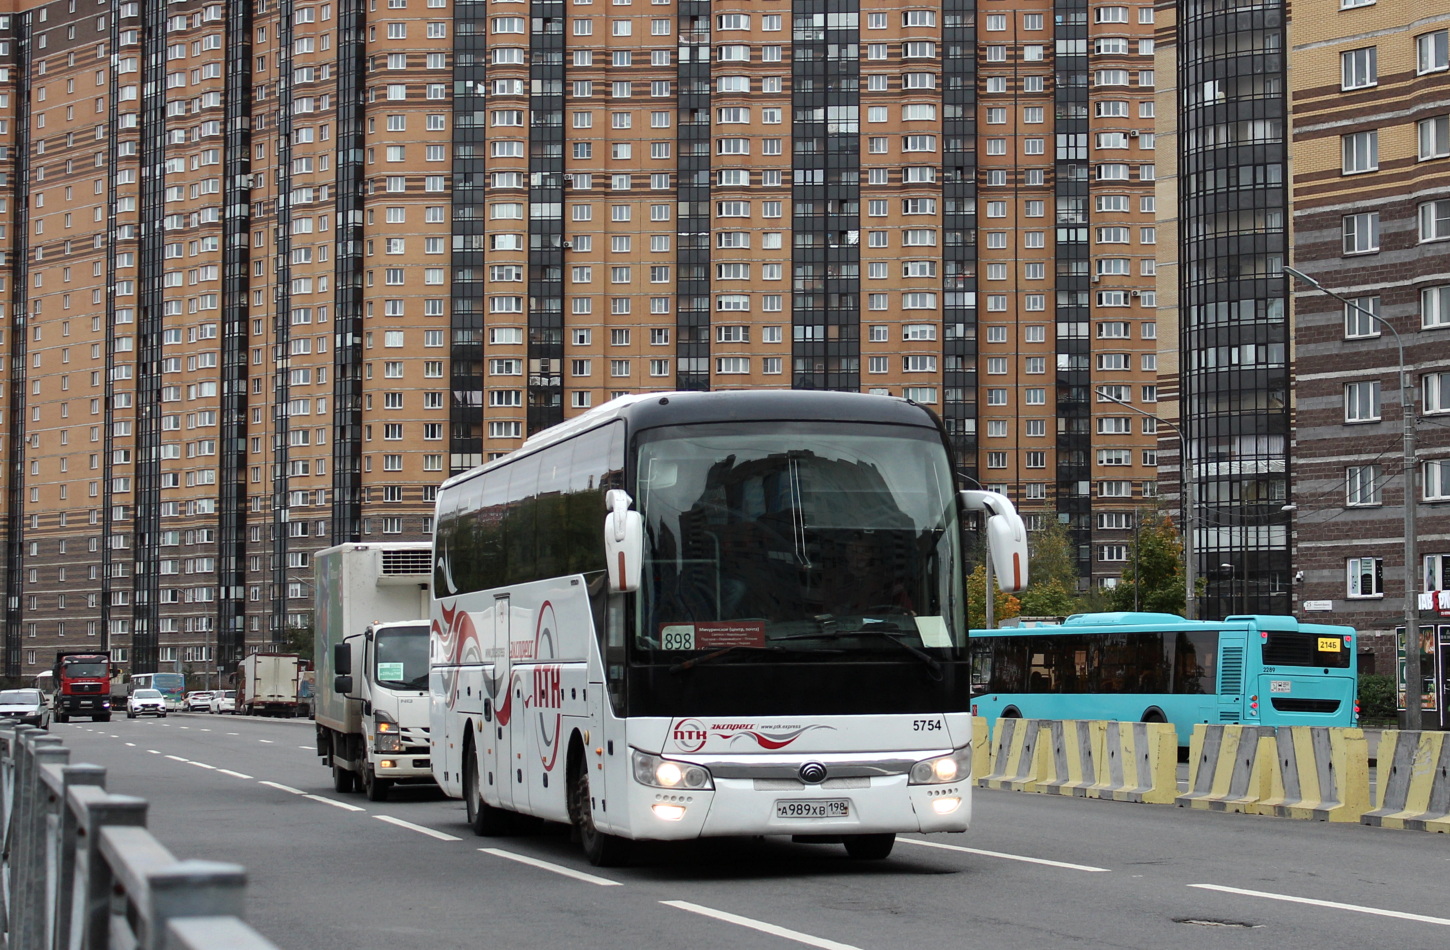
(81,872)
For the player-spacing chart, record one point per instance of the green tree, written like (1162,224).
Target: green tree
(1052,573)
(1155,570)
(299,639)
(1005,604)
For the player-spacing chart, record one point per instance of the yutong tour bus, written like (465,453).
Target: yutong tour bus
(701,614)
(1256,670)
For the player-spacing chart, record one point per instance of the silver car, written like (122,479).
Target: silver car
(25,705)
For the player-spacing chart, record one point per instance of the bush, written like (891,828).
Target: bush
(1376,698)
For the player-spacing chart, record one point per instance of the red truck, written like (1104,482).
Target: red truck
(82,686)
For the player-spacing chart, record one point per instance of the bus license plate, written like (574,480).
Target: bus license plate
(813,809)
(1280,686)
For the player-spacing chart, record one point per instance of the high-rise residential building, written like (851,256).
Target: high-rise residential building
(1371,199)
(1223,308)
(275,269)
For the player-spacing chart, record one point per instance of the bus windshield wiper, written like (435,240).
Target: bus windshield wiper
(693,662)
(884,629)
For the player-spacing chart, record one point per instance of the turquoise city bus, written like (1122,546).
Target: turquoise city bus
(1149,667)
(171,685)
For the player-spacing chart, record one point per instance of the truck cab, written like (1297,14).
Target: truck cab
(382,674)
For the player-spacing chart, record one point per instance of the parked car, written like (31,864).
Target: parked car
(224,701)
(197,700)
(25,705)
(146,702)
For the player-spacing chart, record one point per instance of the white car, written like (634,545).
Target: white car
(26,706)
(146,702)
(197,701)
(224,701)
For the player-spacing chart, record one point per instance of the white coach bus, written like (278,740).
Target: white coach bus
(703,614)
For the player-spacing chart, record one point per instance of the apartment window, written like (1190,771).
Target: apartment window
(1437,393)
(1437,480)
(1434,137)
(1359,68)
(1364,577)
(1432,52)
(1435,307)
(1435,220)
(1358,319)
(1362,401)
(1362,232)
(1361,152)
(1362,485)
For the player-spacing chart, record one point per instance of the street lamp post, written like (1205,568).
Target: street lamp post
(1190,519)
(1413,681)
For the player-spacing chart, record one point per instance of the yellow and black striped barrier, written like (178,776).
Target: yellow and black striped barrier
(1318,773)
(1138,763)
(1224,771)
(1413,790)
(1016,756)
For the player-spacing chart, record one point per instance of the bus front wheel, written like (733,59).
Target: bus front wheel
(1154,715)
(485,820)
(870,847)
(603,850)
(1011,712)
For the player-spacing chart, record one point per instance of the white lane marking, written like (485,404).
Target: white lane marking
(206,730)
(418,828)
(547,866)
(268,741)
(760,925)
(178,758)
(154,751)
(1005,857)
(131,744)
(1336,905)
(203,765)
(304,747)
(234,733)
(285,788)
(234,774)
(334,802)
(184,727)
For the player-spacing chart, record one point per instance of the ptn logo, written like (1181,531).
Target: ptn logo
(689,735)
(548,690)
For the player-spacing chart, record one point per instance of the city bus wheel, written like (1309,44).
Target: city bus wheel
(1011,712)
(485,820)
(869,847)
(1154,715)
(603,850)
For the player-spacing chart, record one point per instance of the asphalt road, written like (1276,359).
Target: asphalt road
(336,871)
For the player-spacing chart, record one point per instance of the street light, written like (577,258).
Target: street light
(1413,683)
(1190,520)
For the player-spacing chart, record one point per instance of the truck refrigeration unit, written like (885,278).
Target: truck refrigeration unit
(371,693)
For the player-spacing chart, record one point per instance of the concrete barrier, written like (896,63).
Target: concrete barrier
(1226,767)
(981,747)
(1317,773)
(1071,760)
(1138,763)
(1016,755)
(1413,790)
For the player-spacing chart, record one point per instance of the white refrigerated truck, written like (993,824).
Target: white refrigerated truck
(371,693)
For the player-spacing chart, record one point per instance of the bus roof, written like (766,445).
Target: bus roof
(1130,619)
(647,410)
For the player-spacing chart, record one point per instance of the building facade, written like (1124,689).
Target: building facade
(275,269)
(1371,198)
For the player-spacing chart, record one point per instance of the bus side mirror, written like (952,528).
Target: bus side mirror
(342,659)
(623,541)
(1006,537)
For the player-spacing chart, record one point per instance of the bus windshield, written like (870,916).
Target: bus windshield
(401,657)
(793,538)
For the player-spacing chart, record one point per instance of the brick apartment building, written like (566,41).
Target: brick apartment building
(273,270)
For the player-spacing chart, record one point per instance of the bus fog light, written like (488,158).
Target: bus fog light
(942,769)
(945,806)
(668,812)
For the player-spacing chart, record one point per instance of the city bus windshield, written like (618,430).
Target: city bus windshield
(770,540)
(401,657)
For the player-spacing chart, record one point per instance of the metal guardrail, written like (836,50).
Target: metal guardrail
(81,872)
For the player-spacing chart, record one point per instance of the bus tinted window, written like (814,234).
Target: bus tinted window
(1284,648)
(1150,662)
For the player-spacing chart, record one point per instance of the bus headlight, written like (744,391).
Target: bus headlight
(942,769)
(659,772)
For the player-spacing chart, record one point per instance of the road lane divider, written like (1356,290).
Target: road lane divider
(774,930)
(285,788)
(1002,855)
(421,829)
(333,802)
(1227,767)
(1335,905)
(1317,773)
(1074,751)
(1017,755)
(1138,763)
(1414,791)
(234,774)
(550,866)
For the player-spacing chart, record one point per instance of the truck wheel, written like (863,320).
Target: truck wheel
(343,780)
(105,718)
(483,818)
(376,789)
(602,849)
(62,717)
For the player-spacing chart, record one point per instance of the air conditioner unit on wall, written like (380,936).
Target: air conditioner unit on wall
(1133,133)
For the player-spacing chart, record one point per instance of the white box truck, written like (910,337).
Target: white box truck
(371,692)
(267,684)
